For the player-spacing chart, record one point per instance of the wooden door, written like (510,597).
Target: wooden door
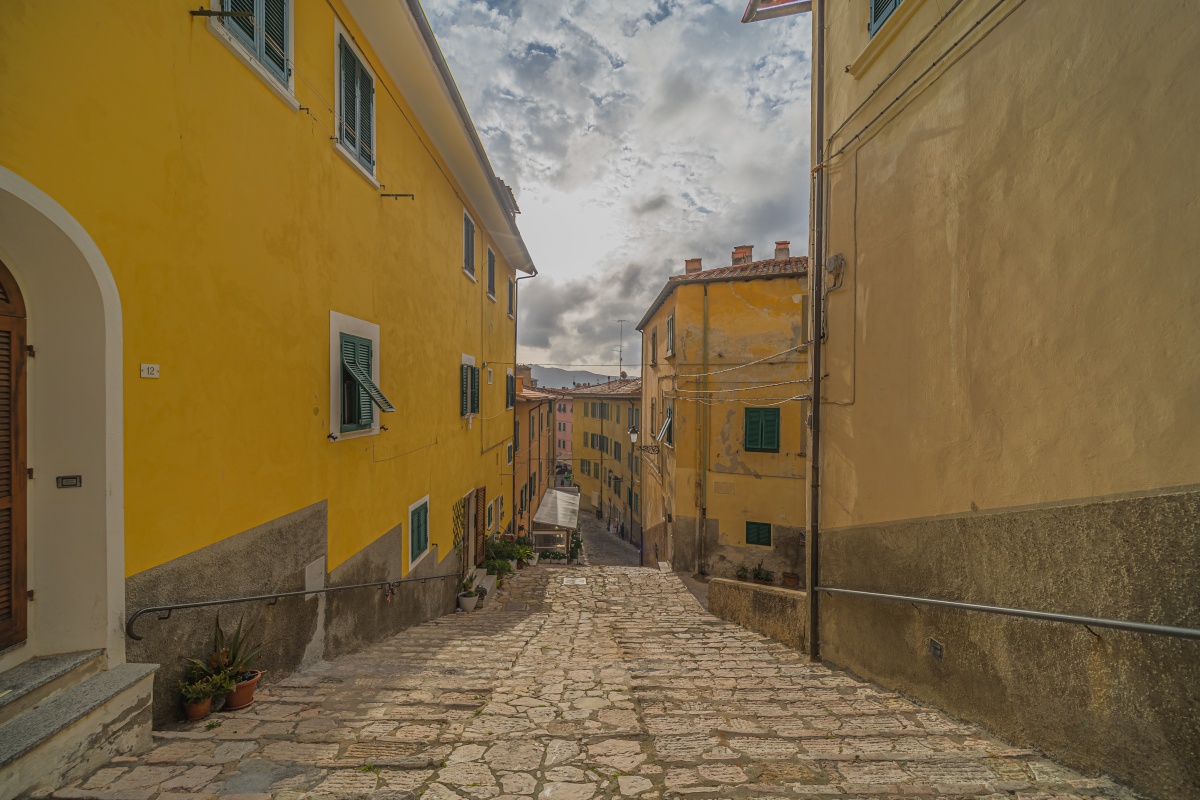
(13,579)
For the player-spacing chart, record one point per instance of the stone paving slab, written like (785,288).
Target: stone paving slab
(619,686)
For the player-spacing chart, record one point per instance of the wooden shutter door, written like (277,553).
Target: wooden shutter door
(480,524)
(13,579)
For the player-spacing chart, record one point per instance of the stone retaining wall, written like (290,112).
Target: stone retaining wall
(778,613)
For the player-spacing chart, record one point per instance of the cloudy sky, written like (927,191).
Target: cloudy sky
(635,134)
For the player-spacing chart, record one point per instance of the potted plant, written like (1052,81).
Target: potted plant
(525,556)
(197,698)
(743,573)
(791,580)
(234,658)
(763,576)
(468,598)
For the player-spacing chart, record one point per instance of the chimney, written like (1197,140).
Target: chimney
(743,254)
(520,383)
(782,250)
(691,266)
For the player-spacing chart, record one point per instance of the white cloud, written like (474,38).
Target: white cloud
(635,135)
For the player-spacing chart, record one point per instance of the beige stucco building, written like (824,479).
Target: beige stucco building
(724,356)
(607,468)
(1010,407)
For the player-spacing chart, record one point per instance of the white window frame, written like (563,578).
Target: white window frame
(234,45)
(352,159)
(474,247)
(670,345)
(489,376)
(339,324)
(408,559)
(466,359)
(491,515)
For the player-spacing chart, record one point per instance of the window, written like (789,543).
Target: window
(490,516)
(499,509)
(491,276)
(269,42)
(629,496)
(354,393)
(636,510)
(516,431)
(532,427)
(585,410)
(511,288)
(468,246)
(468,394)
(616,451)
(562,408)
(357,404)
(671,334)
(583,467)
(758,533)
(653,413)
(510,394)
(418,530)
(762,430)
(664,433)
(880,11)
(510,448)
(653,346)
(356,104)
(618,409)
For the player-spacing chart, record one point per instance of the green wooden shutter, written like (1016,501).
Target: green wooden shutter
(366,118)
(880,11)
(517,433)
(474,390)
(418,531)
(758,533)
(491,266)
(464,395)
(241,27)
(275,43)
(349,90)
(770,430)
(468,245)
(363,360)
(753,429)
(356,358)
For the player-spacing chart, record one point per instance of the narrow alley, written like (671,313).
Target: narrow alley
(574,684)
(604,549)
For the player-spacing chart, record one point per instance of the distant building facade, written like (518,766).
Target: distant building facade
(724,399)
(533,460)
(607,468)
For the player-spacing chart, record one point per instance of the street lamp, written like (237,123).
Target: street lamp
(633,434)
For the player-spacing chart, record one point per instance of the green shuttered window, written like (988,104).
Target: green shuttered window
(762,430)
(418,531)
(468,390)
(356,93)
(359,393)
(265,34)
(491,276)
(758,533)
(468,246)
(880,11)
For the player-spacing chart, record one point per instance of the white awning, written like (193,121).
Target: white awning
(559,511)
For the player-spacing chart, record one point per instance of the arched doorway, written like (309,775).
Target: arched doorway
(13,578)
(70,427)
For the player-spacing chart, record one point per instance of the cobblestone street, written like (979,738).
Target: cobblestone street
(604,549)
(581,683)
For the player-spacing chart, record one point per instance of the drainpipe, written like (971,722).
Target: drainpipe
(701,550)
(816,274)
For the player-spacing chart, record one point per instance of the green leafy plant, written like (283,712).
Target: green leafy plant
(497,566)
(213,725)
(468,588)
(524,553)
(761,574)
(743,573)
(205,688)
(231,656)
(501,550)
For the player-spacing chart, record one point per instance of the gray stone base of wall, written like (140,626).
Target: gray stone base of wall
(778,613)
(276,557)
(1101,700)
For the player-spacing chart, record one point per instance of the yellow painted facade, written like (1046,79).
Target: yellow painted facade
(234,228)
(605,465)
(533,463)
(699,348)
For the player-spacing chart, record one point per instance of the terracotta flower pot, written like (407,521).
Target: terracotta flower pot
(243,694)
(520,565)
(791,580)
(195,711)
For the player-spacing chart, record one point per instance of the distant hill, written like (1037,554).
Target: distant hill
(555,378)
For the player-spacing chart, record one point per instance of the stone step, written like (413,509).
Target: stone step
(77,730)
(28,684)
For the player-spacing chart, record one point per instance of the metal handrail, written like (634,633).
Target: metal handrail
(388,586)
(1116,624)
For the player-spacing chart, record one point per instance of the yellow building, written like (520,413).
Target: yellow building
(1005,208)
(268,280)
(724,391)
(607,468)
(533,463)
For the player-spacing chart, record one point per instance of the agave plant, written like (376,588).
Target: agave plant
(233,656)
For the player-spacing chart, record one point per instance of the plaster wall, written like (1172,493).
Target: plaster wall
(233,226)
(533,462)
(1014,367)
